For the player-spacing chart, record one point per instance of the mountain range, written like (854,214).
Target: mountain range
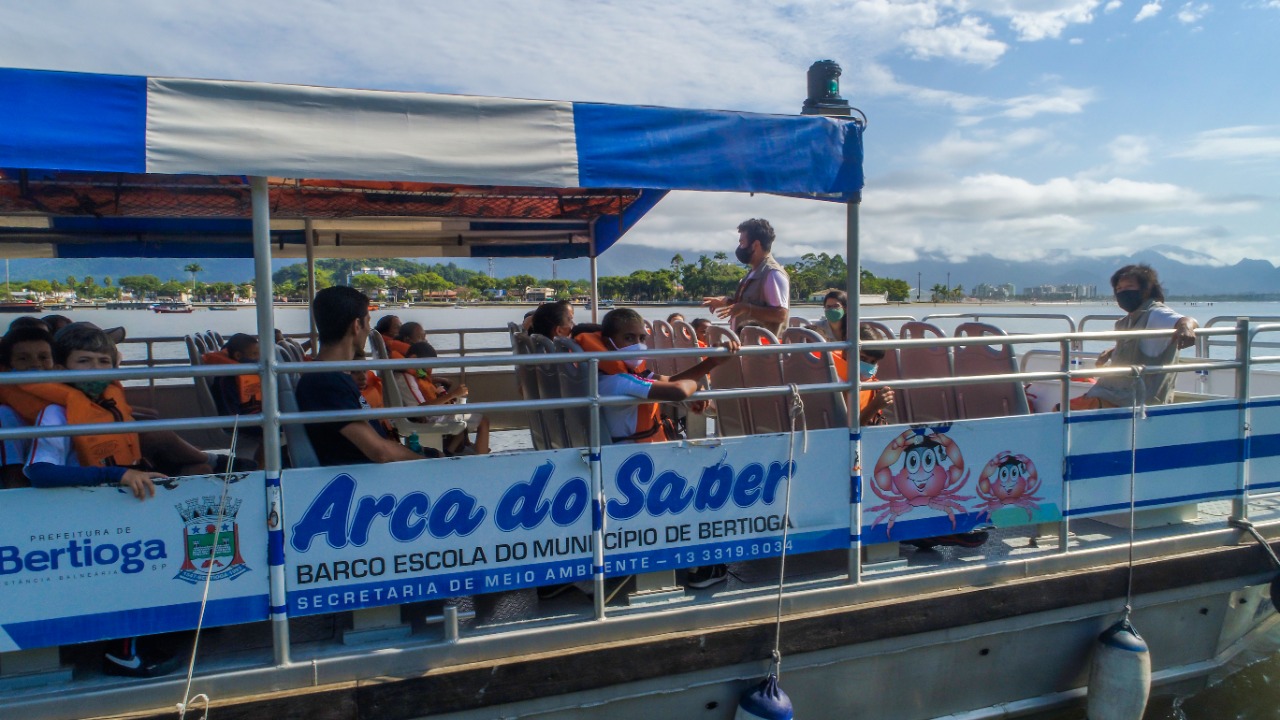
(1182,272)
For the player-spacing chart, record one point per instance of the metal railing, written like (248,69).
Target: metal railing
(1243,333)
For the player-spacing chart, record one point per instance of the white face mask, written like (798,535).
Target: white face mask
(632,364)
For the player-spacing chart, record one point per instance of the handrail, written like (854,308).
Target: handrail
(1071,323)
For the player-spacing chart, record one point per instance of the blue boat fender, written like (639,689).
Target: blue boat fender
(765,701)
(1120,675)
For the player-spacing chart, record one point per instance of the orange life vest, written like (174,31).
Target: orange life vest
(425,385)
(91,450)
(648,416)
(864,396)
(395,348)
(372,393)
(249,386)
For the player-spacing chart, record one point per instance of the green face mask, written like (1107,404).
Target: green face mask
(834,314)
(92,388)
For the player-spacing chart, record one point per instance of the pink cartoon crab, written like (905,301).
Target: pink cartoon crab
(1009,479)
(923,480)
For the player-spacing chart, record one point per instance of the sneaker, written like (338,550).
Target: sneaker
(706,576)
(138,666)
(965,540)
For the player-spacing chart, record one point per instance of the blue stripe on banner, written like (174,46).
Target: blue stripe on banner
(1264,486)
(922,528)
(1100,416)
(723,552)
(1271,402)
(73,121)
(142,621)
(1264,446)
(1174,500)
(275,548)
(435,586)
(715,150)
(1156,459)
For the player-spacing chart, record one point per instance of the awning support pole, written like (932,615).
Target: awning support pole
(278,610)
(595,279)
(854,315)
(310,241)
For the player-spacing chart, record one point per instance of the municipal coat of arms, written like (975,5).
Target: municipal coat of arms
(211,541)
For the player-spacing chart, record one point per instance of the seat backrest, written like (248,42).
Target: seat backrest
(797,321)
(732,416)
(527,382)
(648,327)
(683,336)
(934,404)
(547,378)
(662,338)
(990,399)
(575,382)
(821,410)
(768,414)
(203,385)
(297,442)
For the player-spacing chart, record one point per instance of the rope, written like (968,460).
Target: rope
(1139,408)
(187,698)
(797,411)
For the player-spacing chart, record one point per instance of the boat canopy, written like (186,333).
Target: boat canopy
(96,165)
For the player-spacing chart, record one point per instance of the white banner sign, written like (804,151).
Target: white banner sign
(83,564)
(368,535)
(926,481)
(675,505)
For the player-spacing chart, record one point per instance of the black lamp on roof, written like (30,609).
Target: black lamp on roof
(824,91)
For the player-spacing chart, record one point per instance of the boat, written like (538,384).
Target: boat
(411,589)
(172,308)
(223,308)
(25,306)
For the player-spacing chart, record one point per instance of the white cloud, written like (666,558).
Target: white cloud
(1192,12)
(1129,151)
(959,149)
(1112,6)
(1066,101)
(1148,11)
(1245,143)
(1035,20)
(1075,41)
(967,41)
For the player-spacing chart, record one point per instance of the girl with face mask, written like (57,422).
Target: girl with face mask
(835,305)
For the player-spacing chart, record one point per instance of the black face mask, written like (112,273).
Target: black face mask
(1129,300)
(743,254)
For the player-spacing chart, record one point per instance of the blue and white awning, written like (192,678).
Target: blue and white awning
(106,164)
(110,123)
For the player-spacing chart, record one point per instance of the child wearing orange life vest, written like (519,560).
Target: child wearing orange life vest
(23,349)
(426,390)
(371,389)
(237,394)
(389,328)
(871,403)
(623,330)
(95,459)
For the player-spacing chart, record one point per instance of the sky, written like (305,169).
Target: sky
(1024,129)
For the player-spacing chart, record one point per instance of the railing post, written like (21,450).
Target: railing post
(1064,526)
(1244,353)
(270,417)
(597,492)
(853,338)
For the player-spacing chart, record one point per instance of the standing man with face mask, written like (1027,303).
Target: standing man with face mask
(763,297)
(1138,293)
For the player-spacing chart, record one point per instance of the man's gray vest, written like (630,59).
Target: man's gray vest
(1158,388)
(751,290)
